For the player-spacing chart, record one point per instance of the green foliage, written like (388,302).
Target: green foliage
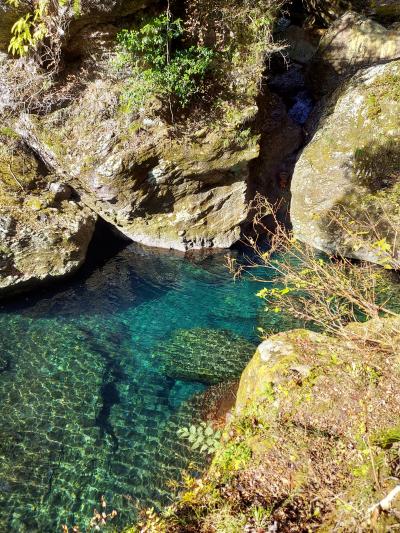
(8,132)
(33,27)
(157,70)
(184,75)
(150,45)
(387,438)
(386,86)
(203,437)
(26,33)
(260,516)
(233,457)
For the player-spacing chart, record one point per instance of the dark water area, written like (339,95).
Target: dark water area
(88,403)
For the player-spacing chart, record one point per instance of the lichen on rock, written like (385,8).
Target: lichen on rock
(349,171)
(42,236)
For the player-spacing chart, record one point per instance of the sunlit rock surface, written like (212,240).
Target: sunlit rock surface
(350,169)
(352,42)
(44,233)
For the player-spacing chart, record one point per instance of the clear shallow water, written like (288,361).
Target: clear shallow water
(90,394)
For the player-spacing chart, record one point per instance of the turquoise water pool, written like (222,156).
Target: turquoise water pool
(97,375)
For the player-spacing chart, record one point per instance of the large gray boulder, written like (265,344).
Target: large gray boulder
(154,188)
(182,192)
(347,179)
(351,43)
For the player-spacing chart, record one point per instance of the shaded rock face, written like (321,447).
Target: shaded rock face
(326,12)
(351,43)
(300,47)
(385,9)
(43,235)
(281,138)
(351,168)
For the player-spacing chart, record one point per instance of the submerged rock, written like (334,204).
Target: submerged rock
(205,355)
(349,172)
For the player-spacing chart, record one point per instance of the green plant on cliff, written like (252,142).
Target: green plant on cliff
(202,437)
(28,30)
(157,67)
(41,28)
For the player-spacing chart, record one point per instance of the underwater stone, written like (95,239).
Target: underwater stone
(204,355)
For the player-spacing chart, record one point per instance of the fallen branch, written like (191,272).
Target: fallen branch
(15,177)
(384,506)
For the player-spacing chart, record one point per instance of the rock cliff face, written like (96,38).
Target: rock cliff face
(186,182)
(182,184)
(189,192)
(44,233)
(350,169)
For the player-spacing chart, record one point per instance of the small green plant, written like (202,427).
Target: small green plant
(387,438)
(260,516)
(35,26)
(28,30)
(233,457)
(157,70)
(202,437)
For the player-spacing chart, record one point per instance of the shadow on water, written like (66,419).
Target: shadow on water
(118,275)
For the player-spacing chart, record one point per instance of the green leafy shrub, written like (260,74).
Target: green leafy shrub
(156,70)
(232,457)
(203,437)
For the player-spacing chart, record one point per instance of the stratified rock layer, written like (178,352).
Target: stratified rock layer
(43,233)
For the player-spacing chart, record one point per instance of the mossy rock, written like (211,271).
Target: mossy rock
(349,173)
(18,168)
(204,355)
